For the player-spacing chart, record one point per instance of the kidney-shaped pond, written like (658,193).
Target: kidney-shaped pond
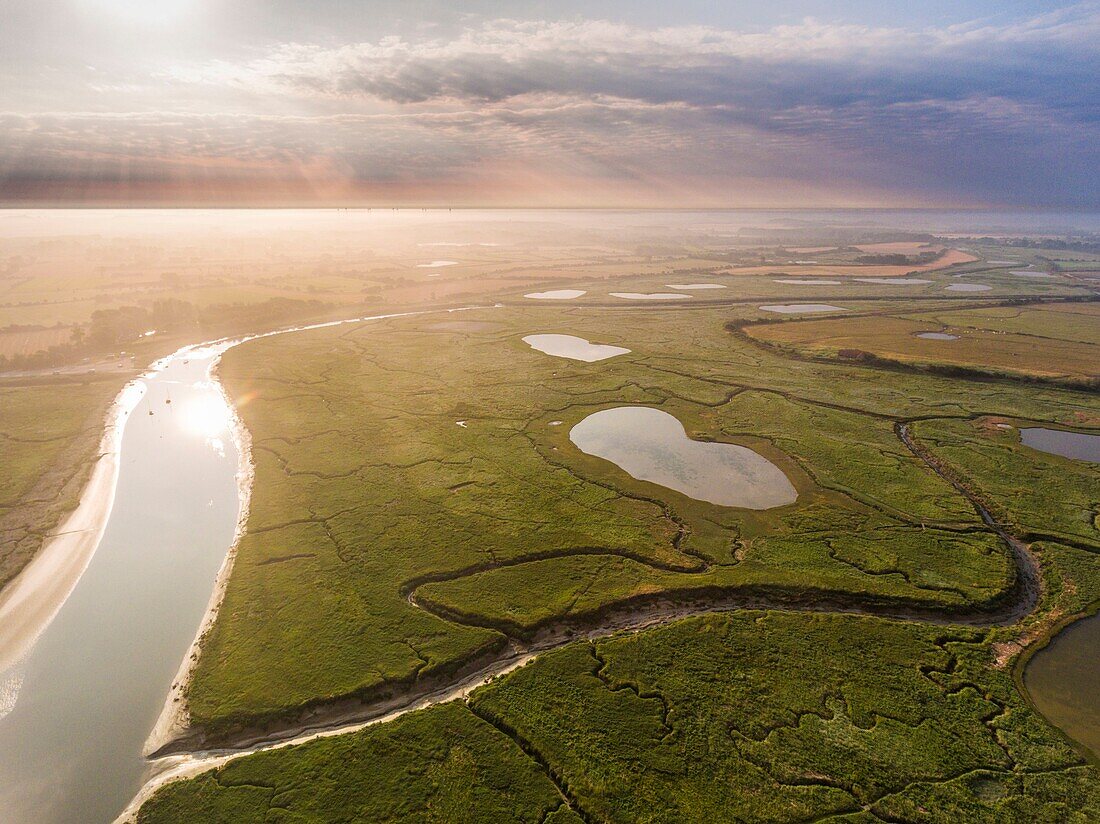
(653,446)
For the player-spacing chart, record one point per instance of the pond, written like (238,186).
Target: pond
(652,445)
(569,346)
(937,336)
(1062,678)
(649,296)
(692,286)
(1080,446)
(968,287)
(799,308)
(807,282)
(437,264)
(893,281)
(556,294)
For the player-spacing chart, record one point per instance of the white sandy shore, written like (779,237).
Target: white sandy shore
(179,767)
(31,600)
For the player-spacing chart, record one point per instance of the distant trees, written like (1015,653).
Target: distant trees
(110,330)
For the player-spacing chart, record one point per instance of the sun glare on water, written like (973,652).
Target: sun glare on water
(207,415)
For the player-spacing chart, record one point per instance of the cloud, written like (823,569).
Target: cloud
(968,114)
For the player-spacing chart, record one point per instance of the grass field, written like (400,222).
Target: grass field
(751,716)
(418,511)
(1043,343)
(367,490)
(418,505)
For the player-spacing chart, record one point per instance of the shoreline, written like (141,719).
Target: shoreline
(173,722)
(31,600)
(173,719)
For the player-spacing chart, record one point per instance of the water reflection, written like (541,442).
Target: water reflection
(570,346)
(1080,446)
(206,415)
(84,699)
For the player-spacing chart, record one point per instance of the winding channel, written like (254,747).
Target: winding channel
(94,629)
(77,707)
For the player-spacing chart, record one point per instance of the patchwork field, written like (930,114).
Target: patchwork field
(1060,345)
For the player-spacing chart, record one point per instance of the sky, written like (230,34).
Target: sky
(612,103)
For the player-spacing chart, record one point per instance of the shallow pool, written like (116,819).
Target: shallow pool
(1080,446)
(556,294)
(652,445)
(798,308)
(649,296)
(1062,680)
(570,346)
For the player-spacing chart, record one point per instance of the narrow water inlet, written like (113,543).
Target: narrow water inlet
(83,700)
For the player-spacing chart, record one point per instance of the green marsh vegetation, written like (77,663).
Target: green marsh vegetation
(370,496)
(750,716)
(388,544)
(49,435)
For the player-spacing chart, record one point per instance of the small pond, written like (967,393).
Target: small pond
(649,296)
(1028,273)
(893,281)
(807,282)
(968,287)
(1080,446)
(556,294)
(937,336)
(799,308)
(653,446)
(569,346)
(693,286)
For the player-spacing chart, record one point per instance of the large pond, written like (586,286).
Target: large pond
(653,446)
(81,702)
(570,346)
(1080,446)
(1063,680)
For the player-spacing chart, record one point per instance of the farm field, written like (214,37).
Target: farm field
(997,341)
